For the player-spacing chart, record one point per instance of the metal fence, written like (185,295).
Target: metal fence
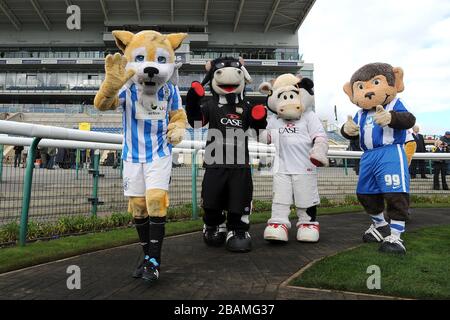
(67,188)
(90,183)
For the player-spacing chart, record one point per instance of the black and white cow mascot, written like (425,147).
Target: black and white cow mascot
(227,187)
(301,146)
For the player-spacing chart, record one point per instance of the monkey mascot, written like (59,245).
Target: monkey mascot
(381,127)
(227,183)
(154,121)
(301,146)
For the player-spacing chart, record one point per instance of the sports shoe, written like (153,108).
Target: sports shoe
(308,232)
(377,235)
(137,274)
(276,232)
(150,269)
(215,236)
(239,241)
(393,244)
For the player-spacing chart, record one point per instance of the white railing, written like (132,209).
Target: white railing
(77,139)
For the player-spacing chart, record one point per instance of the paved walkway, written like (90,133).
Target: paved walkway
(193,271)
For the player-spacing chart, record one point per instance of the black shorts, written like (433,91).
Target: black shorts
(229,189)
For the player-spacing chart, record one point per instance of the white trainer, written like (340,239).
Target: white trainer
(276,232)
(308,232)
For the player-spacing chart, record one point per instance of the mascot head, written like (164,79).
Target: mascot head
(227,77)
(151,55)
(289,96)
(375,84)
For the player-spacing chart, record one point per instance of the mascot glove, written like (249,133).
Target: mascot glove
(198,88)
(259,112)
(116,76)
(382,117)
(319,152)
(175,134)
(176,127)
(351,128)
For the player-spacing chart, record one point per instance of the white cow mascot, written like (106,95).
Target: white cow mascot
(301,146)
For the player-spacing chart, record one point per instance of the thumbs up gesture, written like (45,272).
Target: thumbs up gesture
(382,117)
(351,128)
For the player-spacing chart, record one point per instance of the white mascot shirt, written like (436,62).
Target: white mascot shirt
(293,141)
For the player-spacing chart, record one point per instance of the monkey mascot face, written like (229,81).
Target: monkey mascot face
(289,96)
(375,84)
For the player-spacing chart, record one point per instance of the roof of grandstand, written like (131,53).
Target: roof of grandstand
(236,15)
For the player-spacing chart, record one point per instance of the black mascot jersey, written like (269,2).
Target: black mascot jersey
(228,130)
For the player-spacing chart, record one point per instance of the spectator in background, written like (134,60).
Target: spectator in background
(354,146)
(446,138)
(17,155)
(24,156)
(440,166)
(43,155)
(51,158)
(418,165)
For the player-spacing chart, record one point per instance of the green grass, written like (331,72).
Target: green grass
(44,251)
(12,258)
(424,273)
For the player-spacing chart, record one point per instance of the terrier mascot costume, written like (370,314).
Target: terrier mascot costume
(153,121)
(381,127)
(227,184)
(301,146)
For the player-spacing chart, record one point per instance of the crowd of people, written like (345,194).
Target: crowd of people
(45,157)
(49,158)
(440,167)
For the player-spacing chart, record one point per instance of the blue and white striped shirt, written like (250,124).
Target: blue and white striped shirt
(372,135)
(146,139)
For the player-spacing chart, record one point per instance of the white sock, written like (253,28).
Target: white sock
(397,228)
(379,221)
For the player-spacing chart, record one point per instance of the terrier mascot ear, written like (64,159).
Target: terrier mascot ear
(399,83)
(122,38)
(176,39)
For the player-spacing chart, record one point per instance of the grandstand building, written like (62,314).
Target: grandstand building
(50,74)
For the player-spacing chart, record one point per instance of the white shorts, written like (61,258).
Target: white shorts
(300,190)
(140,177)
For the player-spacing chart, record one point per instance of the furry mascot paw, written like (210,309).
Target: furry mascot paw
(382,117)
(351,128)
(116,76)
(177,127)
(319,153)
(259,112)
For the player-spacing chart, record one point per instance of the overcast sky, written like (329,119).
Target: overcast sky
(341,36)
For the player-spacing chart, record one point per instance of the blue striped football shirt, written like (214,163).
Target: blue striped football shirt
(144,139)
(372,135)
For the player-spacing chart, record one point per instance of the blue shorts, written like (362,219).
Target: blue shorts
(384,170)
